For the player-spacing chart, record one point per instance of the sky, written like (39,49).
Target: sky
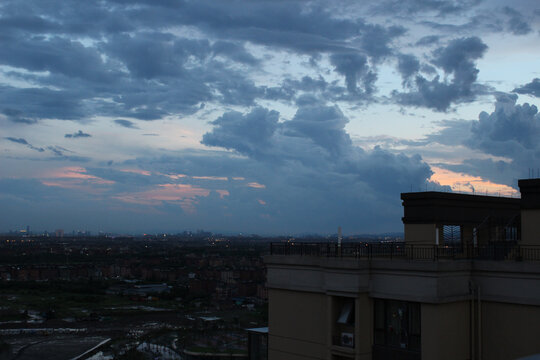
(267,117)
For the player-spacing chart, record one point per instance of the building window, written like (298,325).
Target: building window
(397,324)
(346,315)
(452,235)
(510,233)
(344,320)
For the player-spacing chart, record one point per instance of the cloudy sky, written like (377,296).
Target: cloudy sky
(255,116)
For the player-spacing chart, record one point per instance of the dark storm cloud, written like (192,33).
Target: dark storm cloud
(16,116)
(532,88)
(27,105)
(127,62)
(310,161)
(516,22)
(134,60)
(312,89)
(408,65)
(57,150)
(57,55)
(510,132)
(441,7)
(23,141)
(126,123)
(61,153)
(459,55)
(156,55)
(428,40)
(248,134)
(355,68)
(18,141)
(237,91)
(457,60)
(307,83)
(283,24)
(376,40)
(78,134)
(324,125)
(474,25)
(82,78)
(146,60)
(234,51)
(305,172)
(31,23)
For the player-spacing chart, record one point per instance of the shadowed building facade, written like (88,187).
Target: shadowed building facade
(465,284)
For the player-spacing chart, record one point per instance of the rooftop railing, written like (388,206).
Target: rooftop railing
(399,250)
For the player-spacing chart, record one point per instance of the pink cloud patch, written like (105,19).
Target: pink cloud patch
(223,193)
(184,194)
(174,176)
(74,172)
(137,171)
(74,177)
(256,185)
(222,178)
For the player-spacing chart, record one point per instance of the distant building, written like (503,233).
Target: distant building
(59,233)
(258,343)
(465,284)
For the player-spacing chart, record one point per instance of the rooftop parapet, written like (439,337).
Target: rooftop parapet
(530,211)
(451,208)
(530,193)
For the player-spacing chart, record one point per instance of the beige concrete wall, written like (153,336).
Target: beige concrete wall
(445,331)
(274,354)
(509,331)
(530,227)
(420,234)
(364,327)
(297,325)
(301,322)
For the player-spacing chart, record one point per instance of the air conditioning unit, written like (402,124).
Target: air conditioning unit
(347,339)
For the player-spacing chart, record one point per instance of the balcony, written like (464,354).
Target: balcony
(500,251)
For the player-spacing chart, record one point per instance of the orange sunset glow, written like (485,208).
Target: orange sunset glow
(462,182)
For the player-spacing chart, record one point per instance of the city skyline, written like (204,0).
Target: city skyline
(264,117)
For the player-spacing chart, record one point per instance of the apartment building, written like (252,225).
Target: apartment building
(464,284)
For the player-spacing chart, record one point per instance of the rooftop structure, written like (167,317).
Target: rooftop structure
(464,284)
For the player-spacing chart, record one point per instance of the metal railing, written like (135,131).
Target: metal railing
(400,250)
